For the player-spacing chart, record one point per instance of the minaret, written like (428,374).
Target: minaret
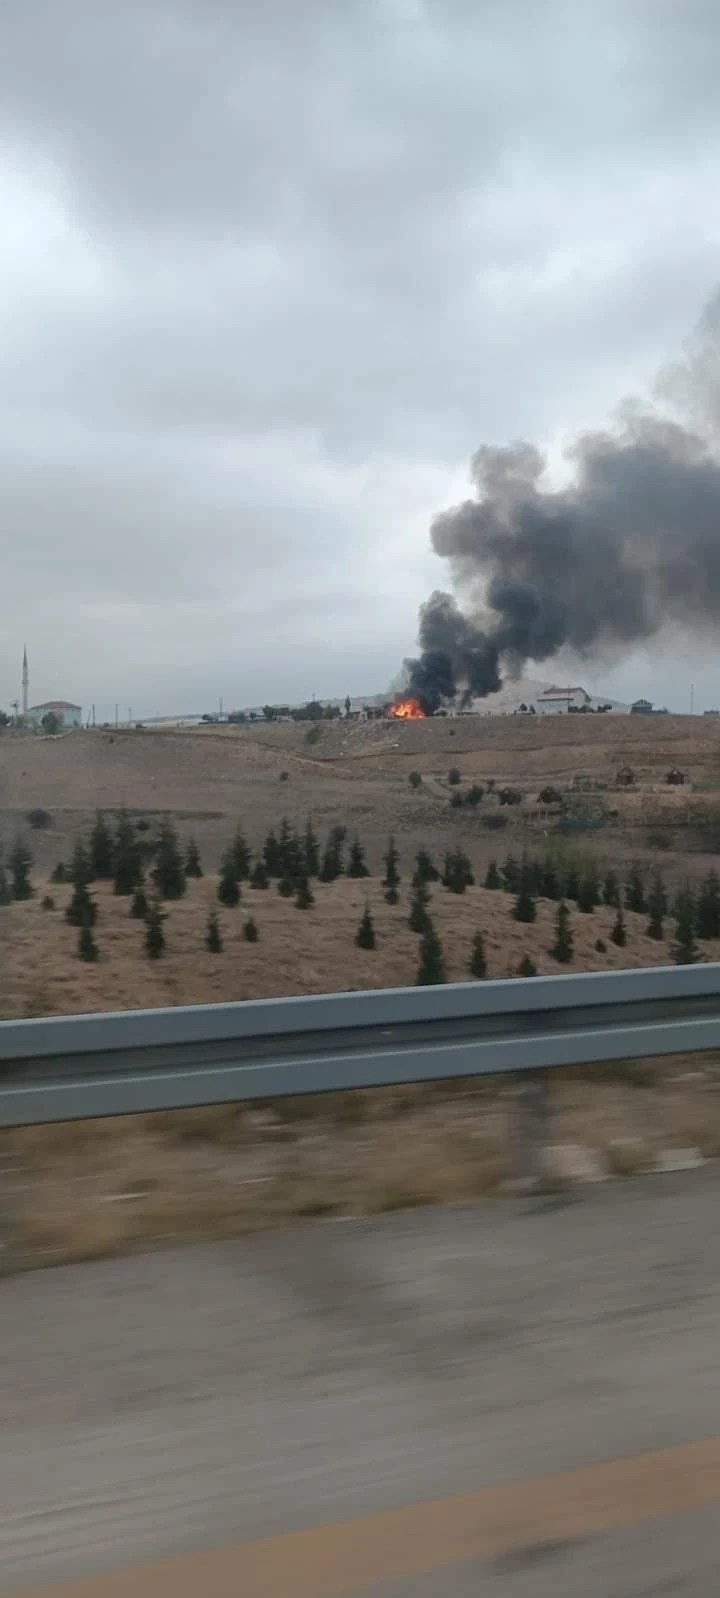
(25,684)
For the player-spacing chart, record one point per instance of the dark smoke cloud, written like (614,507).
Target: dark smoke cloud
(630,545)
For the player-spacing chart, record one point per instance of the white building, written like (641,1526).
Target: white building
(555,701)
(66,715)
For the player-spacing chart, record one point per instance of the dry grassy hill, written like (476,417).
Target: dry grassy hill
(358,773)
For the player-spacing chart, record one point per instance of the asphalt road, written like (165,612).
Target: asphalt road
(518,1398)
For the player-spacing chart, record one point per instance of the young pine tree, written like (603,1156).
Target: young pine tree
(100,848)
(259,875)
(228,890)
(562,948)
(527,967)
(685,950)
(271,855)
(618,931)
(611,890)
(20,863)
(82,909)
(193,863)
(332,861)
(304,897)
(708,908)
(524,908)
(154,935)
(425,868)
(5,890)
(356,866)
(478,958)
(87,947)
(365,935)
(311,851)
(126,855)
(250,930)
(80,870)
(431,970)
(139,904)
(657,906)
(169,871)
(510,874)
(59,872)
(549,885)
(418,919)
(457,874)
(492,876)
(391,879)
(213,939)
(242,858)
(635,892)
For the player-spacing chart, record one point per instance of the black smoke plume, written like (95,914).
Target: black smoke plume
(631,545)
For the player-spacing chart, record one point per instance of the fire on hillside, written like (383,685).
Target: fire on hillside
(407,710)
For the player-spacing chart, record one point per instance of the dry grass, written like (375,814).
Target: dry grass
(86,1190)
(298,951)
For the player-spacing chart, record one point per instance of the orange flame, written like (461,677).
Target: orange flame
(407,710)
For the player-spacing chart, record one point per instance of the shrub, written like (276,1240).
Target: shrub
(20,863)
(454,777)
(48,903)
(527,967)
(365,935)
(391,879)
(228,890)
(59,872)
(562,948)
(419,920)
(601,945)
(101,848)
(414,779)
(492,876)
(474,795)
(87,947)
(304,896)
(250,930)
(38,819)
(154,935)
(139,904)
(685,949)
(82,909)
(312,735)
(193,864)
(478,960)
(456,800)
(494,821)
(431,970)
(425,869)
(356,866)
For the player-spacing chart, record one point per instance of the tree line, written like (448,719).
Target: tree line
(149,870)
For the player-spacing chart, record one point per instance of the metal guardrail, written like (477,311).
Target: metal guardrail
(124,1063)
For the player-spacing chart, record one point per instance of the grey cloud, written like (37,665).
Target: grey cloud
(256,237)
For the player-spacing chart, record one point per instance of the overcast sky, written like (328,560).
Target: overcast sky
(271,271)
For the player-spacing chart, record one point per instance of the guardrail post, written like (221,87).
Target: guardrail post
(532,1130)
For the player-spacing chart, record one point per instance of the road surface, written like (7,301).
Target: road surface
(517,1398)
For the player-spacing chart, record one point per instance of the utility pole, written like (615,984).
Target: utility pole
(692,699)
(116,715)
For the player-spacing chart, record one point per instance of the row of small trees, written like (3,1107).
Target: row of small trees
(695,915)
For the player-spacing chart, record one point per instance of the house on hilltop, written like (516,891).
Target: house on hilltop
(555,700)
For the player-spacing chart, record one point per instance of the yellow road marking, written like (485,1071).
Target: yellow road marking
(329,1561)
